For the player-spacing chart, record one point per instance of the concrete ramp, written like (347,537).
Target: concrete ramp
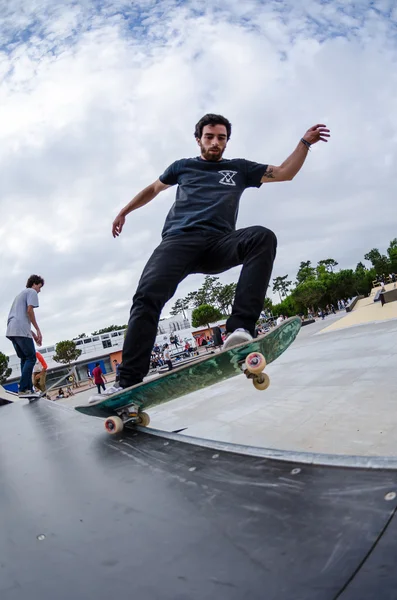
(86,515)
(7,397)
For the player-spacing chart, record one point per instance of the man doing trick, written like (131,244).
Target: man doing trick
(200,236)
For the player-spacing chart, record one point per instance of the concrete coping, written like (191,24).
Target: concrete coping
(308,458)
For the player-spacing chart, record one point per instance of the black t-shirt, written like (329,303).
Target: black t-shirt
(208,193)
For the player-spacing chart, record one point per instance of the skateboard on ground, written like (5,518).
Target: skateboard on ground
(250,358)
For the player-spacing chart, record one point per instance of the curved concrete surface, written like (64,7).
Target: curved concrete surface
(332,393)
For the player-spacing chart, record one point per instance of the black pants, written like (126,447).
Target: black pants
(179,256)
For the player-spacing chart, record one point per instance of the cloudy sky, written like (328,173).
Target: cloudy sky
(98,98)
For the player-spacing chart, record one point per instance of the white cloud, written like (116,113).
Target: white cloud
(98,98)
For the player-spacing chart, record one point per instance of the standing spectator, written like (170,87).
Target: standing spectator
(167,356)
(280,320)
(39,373)
(20,319)
(99,378)
(117,369)
(89,376)
(217,336)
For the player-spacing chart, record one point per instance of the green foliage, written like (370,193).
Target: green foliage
(344,285)
(5,370)
(329,264)
(316,287)
(212,292)
(380,262)
(205,314)
(287,308)
(109,329)
(225,297)
(392,253)
(268,305)
(179,308)
(281,286)
(309,293)
(66,352)
(305,272)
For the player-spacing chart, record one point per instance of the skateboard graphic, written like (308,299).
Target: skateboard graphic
(250,358)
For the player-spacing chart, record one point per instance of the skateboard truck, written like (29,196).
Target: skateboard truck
(253,367)
(126,414)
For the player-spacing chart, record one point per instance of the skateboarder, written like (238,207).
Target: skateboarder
(20,319)
(199,236)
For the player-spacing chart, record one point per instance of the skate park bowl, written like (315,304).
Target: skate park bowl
(287,493)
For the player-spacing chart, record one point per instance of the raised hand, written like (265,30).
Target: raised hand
(317,133)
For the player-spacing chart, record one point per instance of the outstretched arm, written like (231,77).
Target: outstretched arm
(142,198)
(293,164)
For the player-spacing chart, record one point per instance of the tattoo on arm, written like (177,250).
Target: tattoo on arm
(269,173)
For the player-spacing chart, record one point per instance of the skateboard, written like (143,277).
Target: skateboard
(250,358)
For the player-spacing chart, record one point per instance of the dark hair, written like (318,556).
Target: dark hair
(97,364)
(210,119)
(34,280)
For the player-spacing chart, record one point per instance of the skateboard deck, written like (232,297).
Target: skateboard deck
(194,376)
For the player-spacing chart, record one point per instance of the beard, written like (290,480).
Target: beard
(211,155)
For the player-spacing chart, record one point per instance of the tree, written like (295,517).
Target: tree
(5,370)
(380,262)
(268,305)
(309,293)
(364,278)
(205,293)
(392,253)
(190,300)
(305,272)
(225,297)
(211,292)
(329,264)
(178,308)
(205,314)
(287,308)
(344,285)
(81,336)
(66,352)
(281,286)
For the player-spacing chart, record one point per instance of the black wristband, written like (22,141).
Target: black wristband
(306,143)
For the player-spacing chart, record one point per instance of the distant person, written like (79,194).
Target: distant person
(40,373)
(117,369)
(20,319)
(89,376)
(99,378)
(280,319)
(217,336)
(167,357)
